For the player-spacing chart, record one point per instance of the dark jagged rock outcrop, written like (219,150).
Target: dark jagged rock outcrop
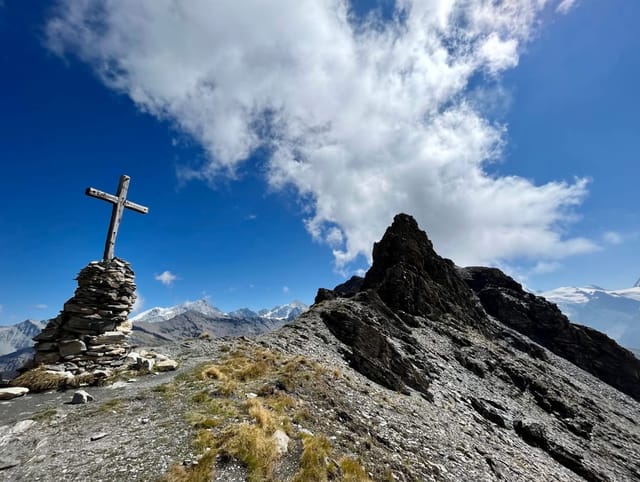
(418,322)
(409,276)
(365,328)
(542,321)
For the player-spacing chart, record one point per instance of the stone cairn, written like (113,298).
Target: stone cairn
(92,331)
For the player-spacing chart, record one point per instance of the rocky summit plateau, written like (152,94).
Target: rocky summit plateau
(420,371)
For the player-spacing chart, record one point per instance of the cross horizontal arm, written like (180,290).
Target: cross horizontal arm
(114,200)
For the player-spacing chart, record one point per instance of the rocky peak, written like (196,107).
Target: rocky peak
(474,339)
(637,285)
(410,276)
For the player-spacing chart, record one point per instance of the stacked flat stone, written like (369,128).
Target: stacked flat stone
(92,330)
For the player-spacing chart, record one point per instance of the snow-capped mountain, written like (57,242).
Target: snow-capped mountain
(194,319)
(157,314)
(16,337)
(243,313)
(16,345)
(285,312)
(159,325)
(614,312)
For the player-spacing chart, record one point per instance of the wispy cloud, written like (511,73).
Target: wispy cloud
(545,267)
(363,120)
(285,289)
(42,306)
(166,278)
(613,237)
(138,304)
(565,5)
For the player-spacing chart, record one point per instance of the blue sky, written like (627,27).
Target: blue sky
(272,152)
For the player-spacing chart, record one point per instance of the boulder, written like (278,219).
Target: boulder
(12,392)
(281,441)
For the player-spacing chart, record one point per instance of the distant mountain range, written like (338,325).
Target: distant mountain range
(16,344)
(158,326)
(195,318)
(614,312)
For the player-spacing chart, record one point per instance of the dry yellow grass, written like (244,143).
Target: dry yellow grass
(352,471)
(251,445)
(212,371)
(40,380)
(314,462)
(263,416)
(202,472)
(229,425)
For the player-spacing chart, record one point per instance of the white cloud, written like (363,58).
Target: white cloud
(565,6)
(166,278)
(139,303)
(42,306)
(612,237)
(545,267)
(363,121)
(499,54)
(285,289)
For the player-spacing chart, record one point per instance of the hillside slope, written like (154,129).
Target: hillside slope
(402,376)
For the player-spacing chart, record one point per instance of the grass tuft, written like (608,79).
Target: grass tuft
(40,380)
(212,371)
(352,471)
(314,462)
(263,416)
(251,445)
(45,415)
(115,404)
(201,472)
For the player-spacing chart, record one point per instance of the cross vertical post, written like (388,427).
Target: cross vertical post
(119,202)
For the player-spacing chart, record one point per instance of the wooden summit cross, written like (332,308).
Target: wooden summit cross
(119,202)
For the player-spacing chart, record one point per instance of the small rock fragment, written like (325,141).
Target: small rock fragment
(166,365)
(80,397)
(98,436)
(145,364)
(7,463)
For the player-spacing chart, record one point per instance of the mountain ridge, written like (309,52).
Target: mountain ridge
(158,326)
(419,371)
